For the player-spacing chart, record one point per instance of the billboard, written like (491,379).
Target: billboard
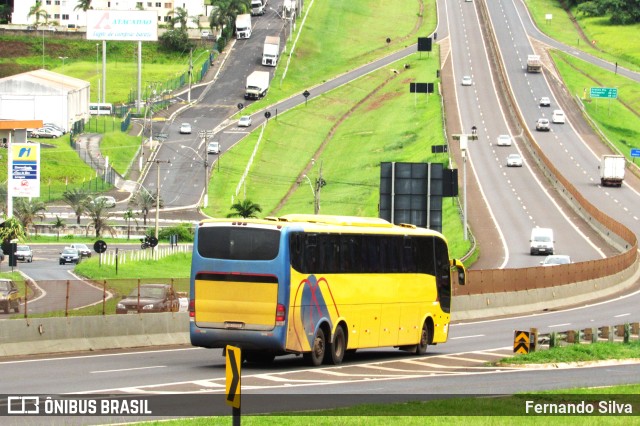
(126,25)
(25,170)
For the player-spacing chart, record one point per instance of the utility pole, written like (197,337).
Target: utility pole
(190,71)
(158,191)
(320,182)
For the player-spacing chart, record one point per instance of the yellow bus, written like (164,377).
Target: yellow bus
(319,286)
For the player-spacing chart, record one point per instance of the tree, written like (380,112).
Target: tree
(11,229)
(83,5)
(97,211)
(145,202)
(5,13)
(128,215)
(245,208)
(59,224)
(27,210)
(224,12)
(180,16)
(77,199)
(621,12)
(38,12)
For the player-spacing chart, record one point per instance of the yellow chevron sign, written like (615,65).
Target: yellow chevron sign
(521,342)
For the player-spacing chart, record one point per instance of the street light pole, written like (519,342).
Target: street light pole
(64,120)
(158,191)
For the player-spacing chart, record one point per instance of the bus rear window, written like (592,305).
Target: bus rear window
(235,243)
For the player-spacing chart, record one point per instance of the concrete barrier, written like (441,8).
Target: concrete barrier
(87,333)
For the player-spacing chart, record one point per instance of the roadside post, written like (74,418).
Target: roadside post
(233,357)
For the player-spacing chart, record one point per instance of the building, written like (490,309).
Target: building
(45,95)
(62,12)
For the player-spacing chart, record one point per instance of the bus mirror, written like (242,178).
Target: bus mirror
(461,276)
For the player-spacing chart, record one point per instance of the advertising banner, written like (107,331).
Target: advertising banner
(25,170)
(126,25)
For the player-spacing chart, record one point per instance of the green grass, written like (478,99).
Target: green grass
(611,41)
(578,353)
(618,119)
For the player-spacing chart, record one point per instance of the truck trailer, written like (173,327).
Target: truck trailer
(257,85)
(271,51)
(612,170)
(534,64)
(243,26)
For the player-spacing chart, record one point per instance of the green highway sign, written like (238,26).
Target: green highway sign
(604,92)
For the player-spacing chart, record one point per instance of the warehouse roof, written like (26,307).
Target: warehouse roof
(40,81)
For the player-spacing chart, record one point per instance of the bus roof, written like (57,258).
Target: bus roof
(323,222)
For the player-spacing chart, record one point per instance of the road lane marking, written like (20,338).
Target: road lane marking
(127,369)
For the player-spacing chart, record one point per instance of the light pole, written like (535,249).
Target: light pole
(98,70)
(313,191)
(158,191)
(205,200)
(64,121)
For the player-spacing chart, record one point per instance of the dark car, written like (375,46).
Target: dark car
(9,296)
(149,298)
(69,255)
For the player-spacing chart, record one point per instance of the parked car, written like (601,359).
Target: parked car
(24,253)
(558,116)
(185,129)
(556,259)
(542,125)
(245,121)
(213,148)
(149,298)
(9,296)
(514,160)
(205,34)
(82,249)
(467,80)
(54,126)
(45,132)
(545,101)
(504,140)
(107,200)
(69,255)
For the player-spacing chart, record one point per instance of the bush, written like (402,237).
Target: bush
(184,231)
(175,41)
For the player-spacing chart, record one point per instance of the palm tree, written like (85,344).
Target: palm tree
(97,211)
(27,210)
(128,215)
(38,12)
(11,229)
(180,16)
(83,5)
(58,224)
(245,208)
(145,202)
(225,11)
(77,199)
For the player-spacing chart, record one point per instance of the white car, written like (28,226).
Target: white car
(514,160)
(558,116)
(245,121)
(556,259)
(185,129)
(205,34)
(467,80)
(107,200)
(542,125)
(545,101)
(504,140)
(213,148)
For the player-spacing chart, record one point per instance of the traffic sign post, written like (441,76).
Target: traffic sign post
(603,93)
(635,152)
(233,357)
(521,342)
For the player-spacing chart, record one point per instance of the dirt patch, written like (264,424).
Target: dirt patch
(380,100)
(14,49)
(9,69)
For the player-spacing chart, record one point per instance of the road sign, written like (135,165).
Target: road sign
(521,342)
(604,92)
(635,152)
(234,363)
(100,246)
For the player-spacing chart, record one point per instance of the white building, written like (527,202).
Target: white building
(44,95)
(62,11)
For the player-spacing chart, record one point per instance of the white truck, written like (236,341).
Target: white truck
(612,170)
(534,64)
(257,85)
(243,26)
(257,7)
(271,51)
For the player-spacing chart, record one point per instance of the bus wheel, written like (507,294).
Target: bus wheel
(336,350)
(421,348)
(317,351)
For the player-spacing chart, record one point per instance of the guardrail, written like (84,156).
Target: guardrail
(532,341)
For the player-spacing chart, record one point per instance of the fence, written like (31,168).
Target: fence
(622,333)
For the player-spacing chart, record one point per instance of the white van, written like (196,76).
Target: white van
(541,241)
